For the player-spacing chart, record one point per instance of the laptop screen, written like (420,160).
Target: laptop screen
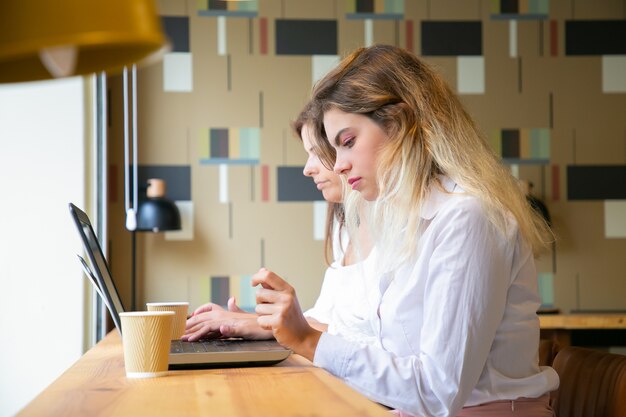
(99,264)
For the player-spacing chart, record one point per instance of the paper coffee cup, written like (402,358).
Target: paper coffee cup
(180,310)
(146,340)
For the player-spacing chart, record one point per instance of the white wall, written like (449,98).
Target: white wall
(42,165)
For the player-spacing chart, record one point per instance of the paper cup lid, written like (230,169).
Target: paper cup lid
(146,313)
(175,303)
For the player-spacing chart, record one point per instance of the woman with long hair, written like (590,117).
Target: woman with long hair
(455,299)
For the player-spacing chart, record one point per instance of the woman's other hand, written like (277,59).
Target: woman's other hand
(213,321)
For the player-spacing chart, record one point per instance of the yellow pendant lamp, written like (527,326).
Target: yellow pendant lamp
(43,39)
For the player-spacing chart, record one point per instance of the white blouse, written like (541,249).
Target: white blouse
(457,327)
(341,303)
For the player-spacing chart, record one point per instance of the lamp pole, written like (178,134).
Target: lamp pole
(133,277)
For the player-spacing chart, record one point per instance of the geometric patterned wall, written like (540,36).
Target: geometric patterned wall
(545,80)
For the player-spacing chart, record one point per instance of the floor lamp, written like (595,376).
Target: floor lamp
(154,214)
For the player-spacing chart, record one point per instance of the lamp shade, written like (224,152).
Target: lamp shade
(157,215)
(43,39)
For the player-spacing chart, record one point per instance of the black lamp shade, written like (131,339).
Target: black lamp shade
(157,214)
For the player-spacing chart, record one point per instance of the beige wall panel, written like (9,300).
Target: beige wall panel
(274,151)
(583,252)
(599,145)
(562,150)
(236,109)
(530,38)
(295,153)
(501,76)
(446,66)
(167,266)
(289,75)
(611,9)
(239,36)
(274,143)
(210,71)
(175,7)
(294,255)
(496,40)
(601,287)
(510,111)
(561,9)
(596,110)
(538,74)
(351,36)
(455,9)
(240,182)
(287,148)
(544,47)
(285,104)
(387,32)
(239,255)
(203,41)
(585,81)
(272,9)
(416,9)
(306,9)
(579,102)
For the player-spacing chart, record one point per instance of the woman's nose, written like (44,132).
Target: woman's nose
(309,168)
(341,166)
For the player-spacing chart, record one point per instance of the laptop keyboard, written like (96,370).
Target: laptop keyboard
(220,345)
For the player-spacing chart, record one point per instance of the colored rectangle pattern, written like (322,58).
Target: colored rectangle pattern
(248,8)
(293,186)
(306,37)
(233,146)
(409,36)
(375,9)
(452,38)
(523,146)
(219,143)
(596,182)
(220,290)
(177,178)
(519,9)
(176,29)
(263,35)
(595,37)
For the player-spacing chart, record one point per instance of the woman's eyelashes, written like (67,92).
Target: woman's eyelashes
(347,141)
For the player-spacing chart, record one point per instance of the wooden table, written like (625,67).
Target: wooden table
(561,326)
(96,386)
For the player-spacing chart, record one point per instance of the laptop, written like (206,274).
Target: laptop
(210,353)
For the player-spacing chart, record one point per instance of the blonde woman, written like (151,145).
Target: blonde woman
(454,310)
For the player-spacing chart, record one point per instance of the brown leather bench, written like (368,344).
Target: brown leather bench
(593,382)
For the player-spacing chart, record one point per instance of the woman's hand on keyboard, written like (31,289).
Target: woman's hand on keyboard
(214,321)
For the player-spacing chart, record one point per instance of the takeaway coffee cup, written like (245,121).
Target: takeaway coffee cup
(146,340)
(180,310)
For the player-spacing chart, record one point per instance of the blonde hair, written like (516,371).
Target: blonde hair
(429,133)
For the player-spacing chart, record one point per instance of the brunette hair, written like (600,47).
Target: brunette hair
(429,134)
(335,212)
